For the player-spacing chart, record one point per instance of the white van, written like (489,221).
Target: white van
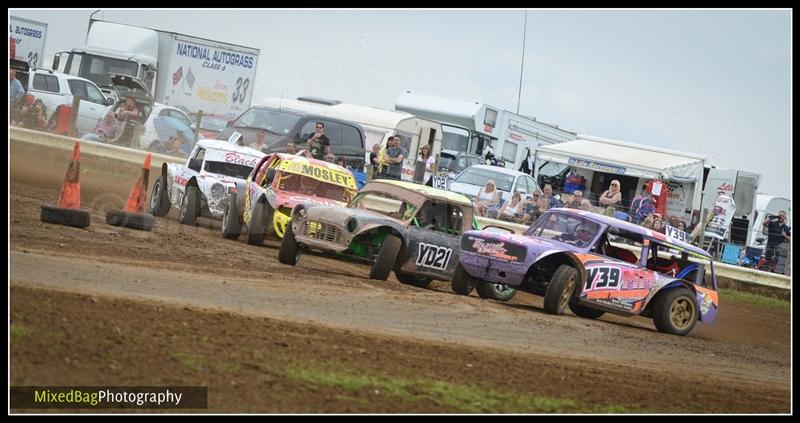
(379,125)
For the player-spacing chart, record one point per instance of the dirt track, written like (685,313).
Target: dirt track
(741,364)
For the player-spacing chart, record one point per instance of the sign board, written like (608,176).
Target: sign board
(441,182)
(235,137)
(597,166)
(677,234)
(723,211)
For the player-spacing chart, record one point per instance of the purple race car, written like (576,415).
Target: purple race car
(568,257)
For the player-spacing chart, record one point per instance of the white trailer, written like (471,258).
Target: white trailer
(182,71)
(29,38)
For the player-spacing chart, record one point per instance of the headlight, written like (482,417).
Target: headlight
(300,211)
(352,224)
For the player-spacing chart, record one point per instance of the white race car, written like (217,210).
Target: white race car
(200,187)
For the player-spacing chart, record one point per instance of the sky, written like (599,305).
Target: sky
(711,82)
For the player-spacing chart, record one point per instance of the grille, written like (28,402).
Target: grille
(322,231)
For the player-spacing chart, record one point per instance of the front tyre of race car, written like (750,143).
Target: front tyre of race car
(159,199)
(190,206)
(418,281)
(255,229)
(585,312)
(675,312)
(560,290)
(231,226)
(495,291)
(463,283)
(289,252)
(386,258)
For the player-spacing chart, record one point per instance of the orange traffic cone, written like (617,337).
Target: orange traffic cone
(132,215)
(68,211)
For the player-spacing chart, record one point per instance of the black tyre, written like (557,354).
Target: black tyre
(159,199)
(77,218)
(190,206)
(495,291)
(140,221)
(269,224)
(418,281)
(255,229)
(675,312)
(585,312)
(289,252)
(231,226)
(386,258)
(463,283)
(561,289)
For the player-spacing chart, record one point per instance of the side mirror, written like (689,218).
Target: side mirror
(229,124)
(195,164)
(110,101)
(56,61)
(760,240)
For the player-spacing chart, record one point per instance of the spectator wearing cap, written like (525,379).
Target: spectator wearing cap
(578,202)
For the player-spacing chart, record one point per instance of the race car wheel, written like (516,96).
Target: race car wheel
(419,282)
(231,227)
(140,221)
(560,290)
(159,199)
(255,230)
(495,291)
(585,312)
(386,258)
(189,206)
(290,251)
(463,283)
(675,312)
(77,218)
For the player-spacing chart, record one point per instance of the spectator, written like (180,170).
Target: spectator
(658,225)
(176,146)
(330,158)
(395,155)
(578,202)
(511,209)
(648,221)
(373,156)
(642,205)
(527,163)
(35,117)
(425,156)
(611,198)
(290,149)
(548,197)
(777,233)
(485,203)
(681,225)
(531,209)
(15,89)
(259,143)
(106,130)
(129,111)
(318,143)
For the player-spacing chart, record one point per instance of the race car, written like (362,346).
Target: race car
(277,183)
(200,187)
(411,229)
(567,256)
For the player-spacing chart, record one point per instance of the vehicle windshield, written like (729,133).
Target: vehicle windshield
(275,121)
(566,228)
(228,169)
(211,123)
(385,204)
(454,138)
(458,163)
(311,187)
(551,168)
(479,177)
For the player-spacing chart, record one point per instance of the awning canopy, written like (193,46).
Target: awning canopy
(640,161)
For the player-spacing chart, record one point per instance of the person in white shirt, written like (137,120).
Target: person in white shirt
(485,203)
(425,156)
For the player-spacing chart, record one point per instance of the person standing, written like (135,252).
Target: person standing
(15,90)
(395,155)
(259,143)
(777,232)
(425,156)
(319,144)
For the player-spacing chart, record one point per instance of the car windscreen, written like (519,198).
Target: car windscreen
(228,169)
(385,204)
(213,124)
(479,177)
(566,228)
(311,187)
(275,121)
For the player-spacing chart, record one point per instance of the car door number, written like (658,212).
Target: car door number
(602,277)
(433,256)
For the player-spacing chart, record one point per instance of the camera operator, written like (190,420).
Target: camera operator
(777,233)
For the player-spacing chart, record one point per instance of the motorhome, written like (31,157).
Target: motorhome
(379,125)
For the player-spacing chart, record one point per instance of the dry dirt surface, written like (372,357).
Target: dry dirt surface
(182,306)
